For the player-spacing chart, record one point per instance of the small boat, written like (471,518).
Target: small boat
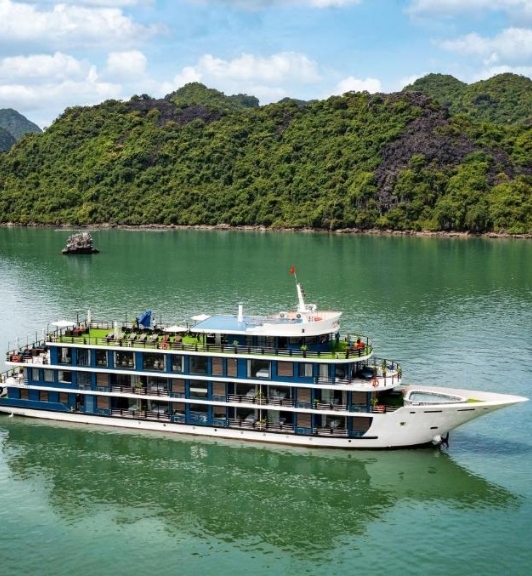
(80,243)
(286,378)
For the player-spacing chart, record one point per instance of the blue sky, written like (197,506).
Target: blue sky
(59,54)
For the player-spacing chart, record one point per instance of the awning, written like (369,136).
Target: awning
(200,317)
(175,328)
(63,324)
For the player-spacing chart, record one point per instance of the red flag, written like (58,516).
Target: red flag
(292,270)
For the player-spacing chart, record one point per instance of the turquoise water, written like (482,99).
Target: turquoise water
(455,312)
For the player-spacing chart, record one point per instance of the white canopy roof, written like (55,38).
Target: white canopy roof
(63,324)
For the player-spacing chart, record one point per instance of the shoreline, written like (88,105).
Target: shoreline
(259,228)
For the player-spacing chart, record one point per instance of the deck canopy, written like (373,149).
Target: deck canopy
(63,324)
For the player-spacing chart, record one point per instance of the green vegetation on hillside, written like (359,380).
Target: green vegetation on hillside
(398,161)
(16,124)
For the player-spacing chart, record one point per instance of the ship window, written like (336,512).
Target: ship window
(102,402)
(217,366)
(125,359)
(82,357)
(305,370)
(157,386)
(285,369)
(84,379)
(24,394)
(65,376)
(102,379)
(153,361)
(198,365)
(232,367)
(101,357)
(65,357)
(35,374)
(258,369)
(48,375)
(178,387)
(198,390)
(43,395)
(122,380)
(177,363)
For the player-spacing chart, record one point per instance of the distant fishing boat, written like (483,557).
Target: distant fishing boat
(80,243)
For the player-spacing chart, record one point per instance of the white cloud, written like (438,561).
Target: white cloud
(352,84)
(278,68)
(41,85)
(495,70)
(258,4)
(516,9)
(186,76)
(32,69)
(111,3)
(128,65)
(333,3)
(65,25)
(511,45)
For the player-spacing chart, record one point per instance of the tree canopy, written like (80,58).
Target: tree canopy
(401,161)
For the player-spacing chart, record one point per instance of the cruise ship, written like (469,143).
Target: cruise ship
(290,377)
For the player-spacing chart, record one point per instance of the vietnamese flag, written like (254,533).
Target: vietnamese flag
(292,270)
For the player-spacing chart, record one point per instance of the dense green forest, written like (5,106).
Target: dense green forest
(440,155)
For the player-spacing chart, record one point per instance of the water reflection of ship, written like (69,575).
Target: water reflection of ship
(281,496)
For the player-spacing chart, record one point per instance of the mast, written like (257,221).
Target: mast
(301,306)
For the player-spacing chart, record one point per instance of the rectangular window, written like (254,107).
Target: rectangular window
(102,402)
(63,397)
(305,370)
(84,379)
(43,395)
(178,387)
(157,385)
(232,367)
(285,368)
(101,357)
(35,374)
(178,410)
(102,379)
(198,365)
(258,369)
(198,390)
(152,361)
(65,376)
(218,389)
(124,360)
(48,375)
(124,380)
(217,367)
(82,357)
(24,394)
(65,356)
(177,364)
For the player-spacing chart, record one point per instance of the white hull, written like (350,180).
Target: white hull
(410,425)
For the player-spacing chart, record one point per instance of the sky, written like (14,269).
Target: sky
(54,55)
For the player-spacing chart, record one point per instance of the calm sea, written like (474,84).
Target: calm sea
(92,501)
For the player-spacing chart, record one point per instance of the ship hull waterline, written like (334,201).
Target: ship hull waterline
(406,427)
